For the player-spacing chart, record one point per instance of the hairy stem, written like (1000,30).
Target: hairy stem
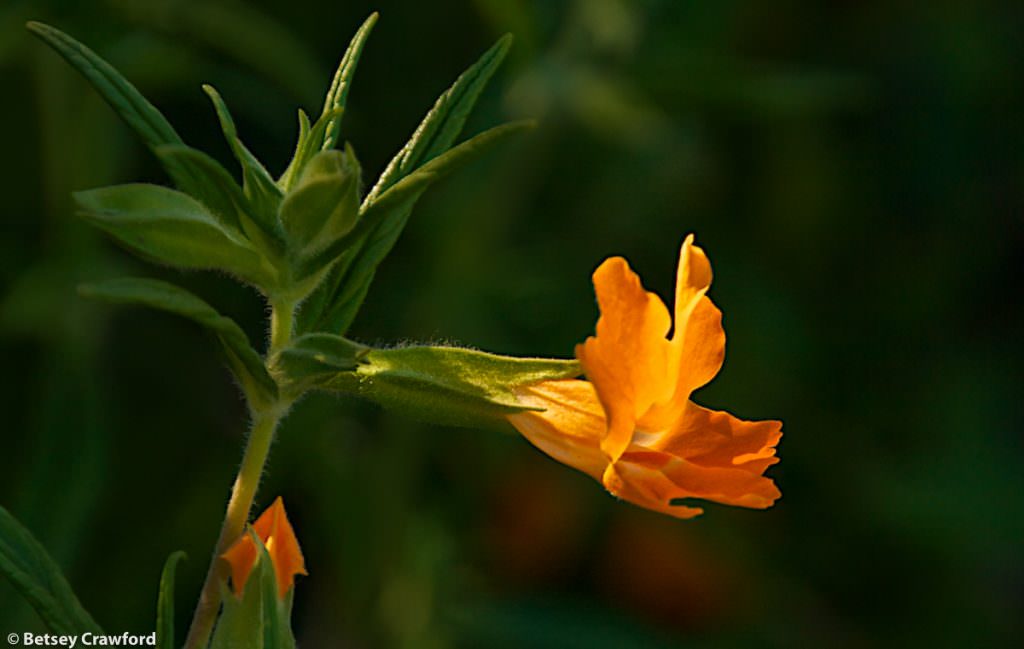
(242,494)
(282,318)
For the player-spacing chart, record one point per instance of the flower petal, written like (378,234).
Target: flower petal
(703,348)
(241,558)
(645,489)
(277,535)
(698,358)
(570,427)
(693,277)
(627,361)
(712,438)
(657,479)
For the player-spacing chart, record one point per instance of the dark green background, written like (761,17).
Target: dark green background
(854,172)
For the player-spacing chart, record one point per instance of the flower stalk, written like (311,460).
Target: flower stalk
(242,495)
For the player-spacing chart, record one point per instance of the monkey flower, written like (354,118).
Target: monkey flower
(631,424)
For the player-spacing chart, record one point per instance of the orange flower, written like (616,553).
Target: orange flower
(632,425)
(278,537)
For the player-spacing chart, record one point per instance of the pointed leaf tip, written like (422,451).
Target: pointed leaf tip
(165,603)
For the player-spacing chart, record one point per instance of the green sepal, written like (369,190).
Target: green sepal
(39,580)
(245,363)
(259,618)
(342,82)
(264,195)
(357,255)
(446,385)
(171,227)
(324,204)
(165,603)
(313,359)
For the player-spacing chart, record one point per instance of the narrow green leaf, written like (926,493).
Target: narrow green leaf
(246,364)
(263,194)
(39,580)
(123,97)
(444,122)
(171,227)
(381,223)
(285,181)
(446,385)
(165,603)
(313,358)
(324,205)
(136,111)
(338,92)
(307,147)
(326,309)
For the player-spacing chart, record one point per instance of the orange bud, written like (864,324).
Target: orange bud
(278,537)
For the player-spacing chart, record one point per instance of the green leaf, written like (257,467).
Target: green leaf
(285,181)
(258,619)
(314,358)
(380,224)
(338,92)
(444,122)
(246,364)
(324,205)
(210,183)
(165,603)
(446,385)
(123,97)
(39,580)
(307,147)
(214,187)
(328,309)
(171,227)
(136,111)
(263,194)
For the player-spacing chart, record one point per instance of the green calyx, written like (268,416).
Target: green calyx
(258,617)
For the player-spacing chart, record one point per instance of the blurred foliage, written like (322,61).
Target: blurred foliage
(854,170)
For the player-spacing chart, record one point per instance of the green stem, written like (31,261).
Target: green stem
(242,495)
(282,318)
(243,492)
